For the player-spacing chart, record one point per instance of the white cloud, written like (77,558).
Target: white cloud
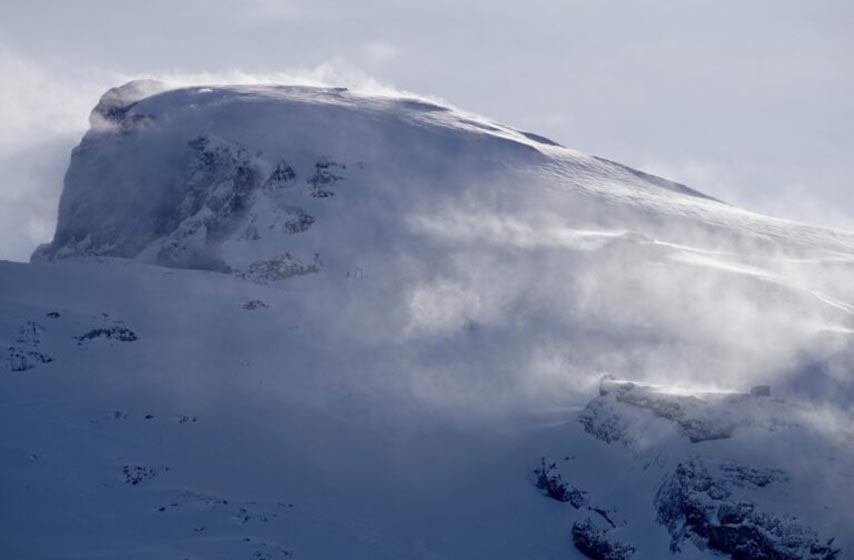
(268,9)
(43,116)
(36,103)
(379,52)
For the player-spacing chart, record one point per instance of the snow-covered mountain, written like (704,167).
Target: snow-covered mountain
(303,322)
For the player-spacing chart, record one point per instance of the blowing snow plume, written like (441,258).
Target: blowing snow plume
(393,300)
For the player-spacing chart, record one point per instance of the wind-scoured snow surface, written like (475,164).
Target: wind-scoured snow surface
(293,322)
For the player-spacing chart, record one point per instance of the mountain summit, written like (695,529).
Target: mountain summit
(298,322)
(227,178)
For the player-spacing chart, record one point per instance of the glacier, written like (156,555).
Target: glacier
(288,321)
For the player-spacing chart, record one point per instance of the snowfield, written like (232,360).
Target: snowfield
(292,322)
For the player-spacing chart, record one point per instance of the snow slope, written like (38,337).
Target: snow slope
(301,322)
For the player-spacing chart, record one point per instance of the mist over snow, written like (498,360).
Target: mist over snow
(388,280)
(298,320)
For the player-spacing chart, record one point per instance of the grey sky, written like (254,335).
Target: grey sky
(749,101)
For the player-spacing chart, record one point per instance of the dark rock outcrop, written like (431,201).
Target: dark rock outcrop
(700,503)
(555,487)
(121,334)
(599,543)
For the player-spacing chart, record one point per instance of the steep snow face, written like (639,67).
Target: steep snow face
(392,319)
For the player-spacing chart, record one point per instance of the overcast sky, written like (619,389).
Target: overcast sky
(749,101)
